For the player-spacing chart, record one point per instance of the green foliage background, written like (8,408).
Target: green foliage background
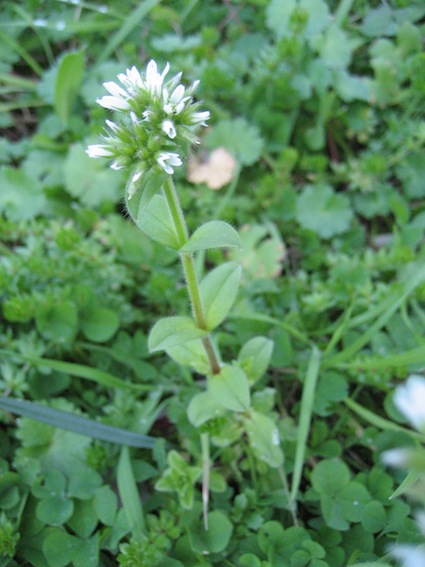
(321,105)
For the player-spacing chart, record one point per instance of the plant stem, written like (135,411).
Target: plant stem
(192,284)
(189,270)
(205,445)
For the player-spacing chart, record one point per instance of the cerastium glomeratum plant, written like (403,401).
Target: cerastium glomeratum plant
(157,121)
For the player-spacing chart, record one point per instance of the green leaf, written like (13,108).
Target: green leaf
(76,423)
(213,234)
(87,373)
(105,504)
(255,357)
(216,538)
(173,331)
(307,400)
(148,186)
(59,547)
(374,517)
(129,494)
(190,354)
(332,512)
(55,510)
(89,180)
(330,476)
(261,253)
(83,483)
(230,388)
(156,222)
(99,324)
(323,211)
(279,14)
(218,292)
(241,139)
(68,81)
(21,197)
(264,438)
(202,407)
(353,497)
(84,519)
(59,322)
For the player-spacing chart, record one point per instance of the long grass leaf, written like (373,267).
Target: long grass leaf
(88,373)
(307,400)
(132,21)
(381,422)
(76,423)
(129,495)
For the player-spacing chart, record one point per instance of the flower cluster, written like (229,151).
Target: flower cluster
(159,121)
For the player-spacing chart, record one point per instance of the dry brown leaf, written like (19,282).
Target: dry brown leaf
(216,171)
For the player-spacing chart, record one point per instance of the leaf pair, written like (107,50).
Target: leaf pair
(218,292)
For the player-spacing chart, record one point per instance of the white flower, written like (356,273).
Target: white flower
(154,80)
(97,151)
(113,103)
(409,555)
(169,128)
(396,457)
(174,103)
(410,400)
(112,125)
(131,79)
(200,117)
(115,90)
(168,159)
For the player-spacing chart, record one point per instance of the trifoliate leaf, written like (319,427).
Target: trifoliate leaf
(324,212)
(261,253)
(239,137)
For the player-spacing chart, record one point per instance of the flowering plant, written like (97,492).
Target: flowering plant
(158,123)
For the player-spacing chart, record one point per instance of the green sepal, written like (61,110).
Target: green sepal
(255,357)
(218,291)
(173,331)
(213,234)
(230,388)
(202,407)
(263,438)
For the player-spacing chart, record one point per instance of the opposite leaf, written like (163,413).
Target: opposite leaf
(202,407)
(218,291)
(255,356)
(213,234)
(173,331)
(264,438)
(156,222)
(230,388)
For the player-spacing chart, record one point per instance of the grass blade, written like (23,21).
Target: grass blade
(381,422)
(88,373)
(128,26)
(76,423)
(305,419)
(129,495)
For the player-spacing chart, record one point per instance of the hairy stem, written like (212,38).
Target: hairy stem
(190,271)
